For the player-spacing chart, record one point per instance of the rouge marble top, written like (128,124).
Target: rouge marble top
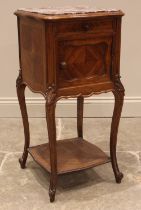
(66,12)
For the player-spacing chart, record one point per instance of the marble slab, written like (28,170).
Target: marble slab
(66,10)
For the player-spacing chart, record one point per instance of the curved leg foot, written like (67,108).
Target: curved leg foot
(119,177)
(22,160)
(21,97)
(80,105)
(119,98)
(52,194)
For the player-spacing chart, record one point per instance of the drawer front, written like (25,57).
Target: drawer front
(83,62)
(89,26)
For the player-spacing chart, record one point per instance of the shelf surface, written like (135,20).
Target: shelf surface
(72,155)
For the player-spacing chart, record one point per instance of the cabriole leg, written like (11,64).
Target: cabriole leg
(51,125)
(21,97)
(119,98)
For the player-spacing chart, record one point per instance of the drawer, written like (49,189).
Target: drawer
(89,26)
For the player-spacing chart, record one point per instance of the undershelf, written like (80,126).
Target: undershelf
(72,155)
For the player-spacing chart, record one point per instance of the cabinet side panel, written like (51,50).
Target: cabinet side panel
(51,55)
(116,47)
(32,44)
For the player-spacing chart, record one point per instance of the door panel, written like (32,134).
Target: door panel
(84,61)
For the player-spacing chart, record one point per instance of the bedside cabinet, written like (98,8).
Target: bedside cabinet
(63,56)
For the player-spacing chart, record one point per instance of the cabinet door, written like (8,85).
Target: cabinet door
(83,61)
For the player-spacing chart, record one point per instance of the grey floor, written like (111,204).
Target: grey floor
(93,189)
